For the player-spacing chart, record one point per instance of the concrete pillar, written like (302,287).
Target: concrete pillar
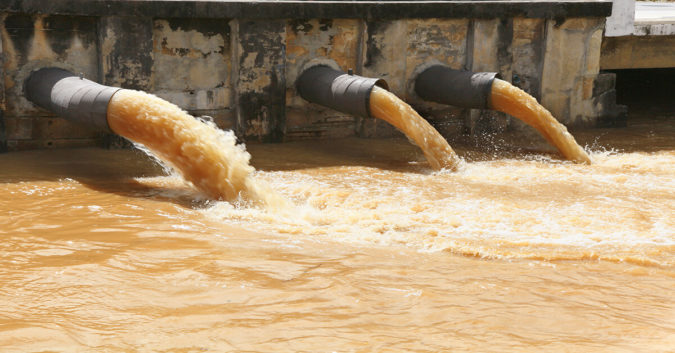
(442,41)
(528,52)
(383,59)
(125,58)
(126,52)
(3,133)
(490,50)
(259,79)
(571,62)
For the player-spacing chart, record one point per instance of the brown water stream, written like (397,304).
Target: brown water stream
(517,103)
(101,251)
(386,106)
(203,154)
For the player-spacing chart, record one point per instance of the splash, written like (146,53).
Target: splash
(616,210)
(204,155)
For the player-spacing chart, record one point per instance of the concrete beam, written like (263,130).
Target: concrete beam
(261,9)
(638,52)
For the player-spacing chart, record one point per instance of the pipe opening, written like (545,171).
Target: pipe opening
(70,96)
(464,89)
(483,90)
(338,90)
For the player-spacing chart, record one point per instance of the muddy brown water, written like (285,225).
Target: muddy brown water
(516,251)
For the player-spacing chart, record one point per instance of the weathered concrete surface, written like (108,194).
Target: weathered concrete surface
(242,72)
(383,56)
(436,40)
(514,48)
(491,43)
(303,9)
(398,50)
(486,54)
(641,18)
(571,63)
(3,106)
(650,43)
(327,41)
(191,66)
(125,45)
(126,52)
(441,41)
(527,50)
(259,76)
(31,42)
(638,52)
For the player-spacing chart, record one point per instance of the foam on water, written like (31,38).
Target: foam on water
(614,210)
(619,209)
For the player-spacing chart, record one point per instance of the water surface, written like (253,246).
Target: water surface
(517,251)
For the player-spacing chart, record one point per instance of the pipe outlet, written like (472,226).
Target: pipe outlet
(70,96)
(335,89)
(465,89)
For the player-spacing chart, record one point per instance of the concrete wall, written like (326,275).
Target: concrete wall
(242,71)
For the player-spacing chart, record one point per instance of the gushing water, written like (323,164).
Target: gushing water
(516,102)
(204,155)
(386,106)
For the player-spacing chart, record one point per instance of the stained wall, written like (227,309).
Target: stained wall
(241,72)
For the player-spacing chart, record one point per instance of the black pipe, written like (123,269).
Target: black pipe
(465,89)
(335,89)
(70,96)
